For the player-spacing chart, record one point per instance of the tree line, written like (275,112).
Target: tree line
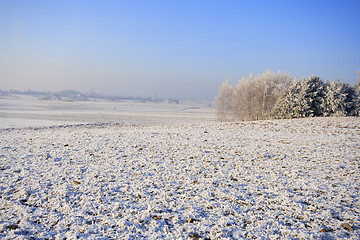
(280,95)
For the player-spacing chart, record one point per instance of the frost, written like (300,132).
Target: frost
(278,179)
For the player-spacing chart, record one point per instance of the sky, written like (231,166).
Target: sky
(173,49)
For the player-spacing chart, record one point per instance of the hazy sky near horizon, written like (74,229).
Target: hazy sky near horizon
(179,49)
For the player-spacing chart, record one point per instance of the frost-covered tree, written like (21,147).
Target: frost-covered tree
(224,101)
(340,99)
(288,105)
(253,97)
(356,111)
(334,99)
(352,101)
(303,99)
(313,89)
(313,98)
(357,85)
(279,95)
(243,99)
(274,87)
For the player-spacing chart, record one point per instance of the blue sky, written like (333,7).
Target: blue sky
(179,49)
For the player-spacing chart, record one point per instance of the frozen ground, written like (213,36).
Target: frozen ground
(175,176)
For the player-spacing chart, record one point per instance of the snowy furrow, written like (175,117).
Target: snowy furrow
(287,179)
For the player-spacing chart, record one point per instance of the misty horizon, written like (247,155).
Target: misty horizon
(94,94)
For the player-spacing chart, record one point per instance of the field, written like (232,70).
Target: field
(127,170)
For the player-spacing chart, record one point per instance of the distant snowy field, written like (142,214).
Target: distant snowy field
(27,111)
(148,171)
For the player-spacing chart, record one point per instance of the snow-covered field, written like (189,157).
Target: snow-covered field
(176,173)
(27,111)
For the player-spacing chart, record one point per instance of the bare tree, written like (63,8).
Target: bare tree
(257,95)
(224,101)
(253,97)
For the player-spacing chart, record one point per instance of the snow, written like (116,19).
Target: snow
(169,174)
(20,111)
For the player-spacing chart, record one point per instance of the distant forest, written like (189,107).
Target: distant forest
(279,95)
